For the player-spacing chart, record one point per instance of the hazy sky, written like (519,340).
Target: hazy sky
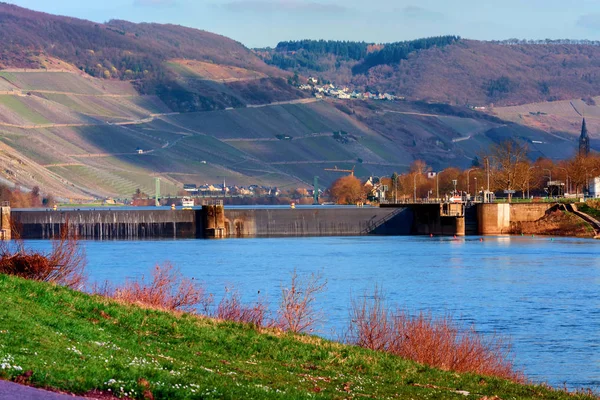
(259,23)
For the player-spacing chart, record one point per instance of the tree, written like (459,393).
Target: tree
(347,190)
(580,170)
(508,160)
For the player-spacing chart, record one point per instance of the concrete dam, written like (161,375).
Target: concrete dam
(211,222)
(219,222)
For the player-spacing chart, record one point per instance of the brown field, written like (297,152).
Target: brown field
(555,116)
(216,72)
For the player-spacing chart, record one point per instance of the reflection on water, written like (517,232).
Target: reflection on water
(543,293)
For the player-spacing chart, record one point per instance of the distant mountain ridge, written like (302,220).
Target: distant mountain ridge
(451,70)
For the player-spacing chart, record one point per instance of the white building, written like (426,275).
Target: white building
(595,187)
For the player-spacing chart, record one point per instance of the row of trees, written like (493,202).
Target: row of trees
(22,199)
(345,49)
(506,167)
(393,53)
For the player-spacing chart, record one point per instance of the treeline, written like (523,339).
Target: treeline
(395,52)
(515,41)
(301,59)
(21,199)
(346,49)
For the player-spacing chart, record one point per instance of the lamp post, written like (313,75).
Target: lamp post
(550,180)
(475,187)
(437,185)
(487,168)
(487,160)
(468,172)
(567,180)
(529,178)
(454,182)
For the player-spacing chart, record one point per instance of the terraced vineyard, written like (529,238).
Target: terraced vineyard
(77,136)
(557,116)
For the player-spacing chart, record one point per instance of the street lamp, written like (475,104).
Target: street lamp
(550,180)
(567,180)
(437,185)
(529,178)
(475,187)
(468,172)
(454,182)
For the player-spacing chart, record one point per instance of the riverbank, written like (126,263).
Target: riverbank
(66,340)
(555,223)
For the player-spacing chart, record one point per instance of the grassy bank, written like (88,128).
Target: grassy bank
(77,343)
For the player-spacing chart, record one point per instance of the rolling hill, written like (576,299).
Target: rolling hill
(451,70)
(78,136)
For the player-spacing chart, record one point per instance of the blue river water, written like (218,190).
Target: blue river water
(541,293)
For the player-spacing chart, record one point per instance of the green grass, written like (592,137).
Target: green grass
(591,211)
(77,343)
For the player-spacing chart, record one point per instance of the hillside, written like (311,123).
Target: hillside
(556,116)
(78,136)
(451,70)
(140,53)
(84,344)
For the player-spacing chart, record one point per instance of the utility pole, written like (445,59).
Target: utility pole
(487,163)
(157,192)
(468,172)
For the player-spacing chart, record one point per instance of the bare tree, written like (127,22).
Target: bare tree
(508,161)
(296,308)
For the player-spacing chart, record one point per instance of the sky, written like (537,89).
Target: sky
(263,23)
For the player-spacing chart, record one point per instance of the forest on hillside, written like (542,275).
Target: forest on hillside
(452,70)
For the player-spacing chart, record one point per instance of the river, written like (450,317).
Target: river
(543,293)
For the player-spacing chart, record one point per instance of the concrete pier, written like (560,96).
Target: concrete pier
(5,223)
(497,219)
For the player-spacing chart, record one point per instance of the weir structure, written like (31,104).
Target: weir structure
(217,222)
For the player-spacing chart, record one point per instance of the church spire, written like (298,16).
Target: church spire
(584,140)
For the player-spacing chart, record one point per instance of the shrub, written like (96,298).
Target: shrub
(231,308)
(63,265)
(168,290)
(437,342)
(296,311)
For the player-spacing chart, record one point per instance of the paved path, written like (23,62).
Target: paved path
(13,391)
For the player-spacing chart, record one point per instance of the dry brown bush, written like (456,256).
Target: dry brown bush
(231,308)
(438,342)
(296,311)
(167,290)
(63,265)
